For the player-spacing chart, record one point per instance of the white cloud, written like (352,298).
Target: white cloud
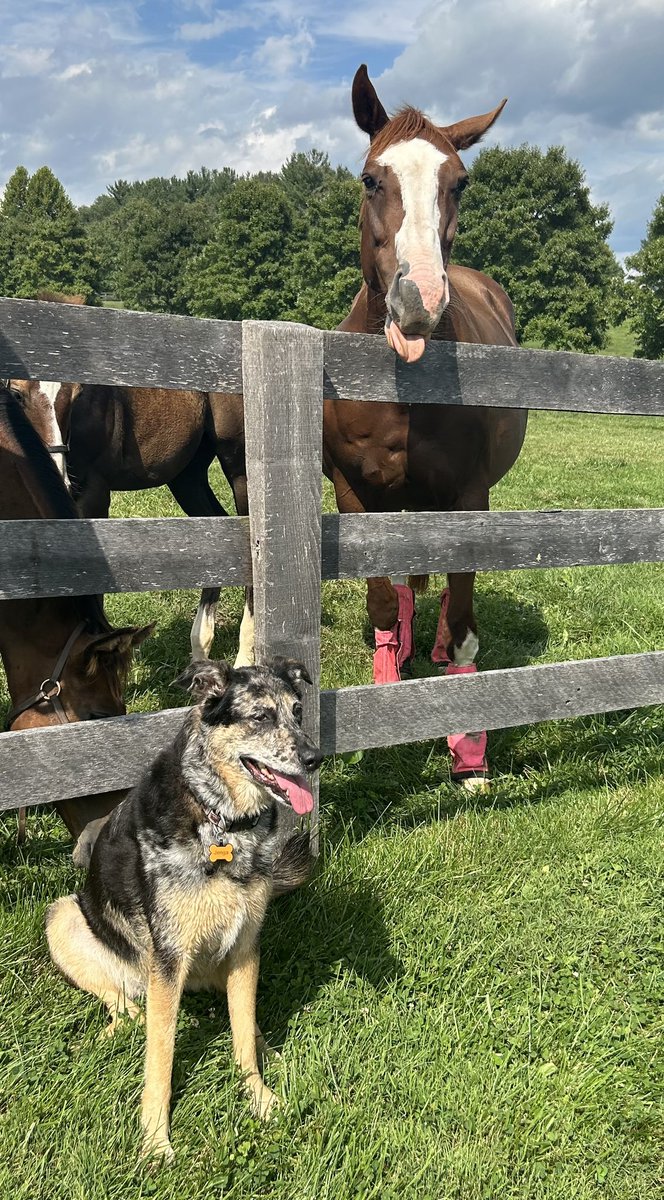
(127,88)
(75,70)
(282,55)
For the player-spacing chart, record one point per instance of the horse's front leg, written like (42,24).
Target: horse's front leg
(390,606)
(455,650)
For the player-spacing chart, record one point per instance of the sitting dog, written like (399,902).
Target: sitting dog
(183,871)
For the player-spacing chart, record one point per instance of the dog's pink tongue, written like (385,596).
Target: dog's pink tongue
(298,791)
(407,346)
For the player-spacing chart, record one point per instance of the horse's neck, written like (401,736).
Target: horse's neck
(32,634)
(367,314)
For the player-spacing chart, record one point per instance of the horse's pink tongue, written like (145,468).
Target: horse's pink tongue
(298,791)
(408,346)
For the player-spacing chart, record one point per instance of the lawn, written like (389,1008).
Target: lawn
(468,997)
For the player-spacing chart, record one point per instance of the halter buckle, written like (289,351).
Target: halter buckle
(50,689)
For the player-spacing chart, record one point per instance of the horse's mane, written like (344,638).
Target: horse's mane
(406,124)
(60,297)
(59,503)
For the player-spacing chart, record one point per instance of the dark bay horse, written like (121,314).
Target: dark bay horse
(388,457)
(67,642)
(128,438)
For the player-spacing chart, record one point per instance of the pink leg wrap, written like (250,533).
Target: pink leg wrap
(468,750)
(396,645)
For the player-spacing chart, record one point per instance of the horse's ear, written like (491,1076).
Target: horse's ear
(367,108)
(118,641)
(465,133)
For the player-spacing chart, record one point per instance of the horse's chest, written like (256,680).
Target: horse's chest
(373,444)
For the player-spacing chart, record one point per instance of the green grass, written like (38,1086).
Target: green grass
(621,340)
(468,997)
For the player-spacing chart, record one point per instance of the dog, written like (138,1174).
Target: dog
(182,872)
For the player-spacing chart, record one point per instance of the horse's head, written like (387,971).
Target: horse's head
(47,404)
(413,179)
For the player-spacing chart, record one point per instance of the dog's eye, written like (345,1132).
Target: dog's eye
(261,718)
(297,712)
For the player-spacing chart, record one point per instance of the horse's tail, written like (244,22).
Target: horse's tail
(419,583)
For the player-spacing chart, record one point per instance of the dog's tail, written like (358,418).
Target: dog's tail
(293,866)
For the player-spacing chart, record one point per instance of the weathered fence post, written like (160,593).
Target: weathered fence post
(282,373)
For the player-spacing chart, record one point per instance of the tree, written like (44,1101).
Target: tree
(326,269)
(42,242)
(304,175)
(528,221)
(244,271)
(144,233)
(647,288)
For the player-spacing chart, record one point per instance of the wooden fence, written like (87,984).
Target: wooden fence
(288,546)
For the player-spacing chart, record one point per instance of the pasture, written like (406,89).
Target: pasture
(468,997)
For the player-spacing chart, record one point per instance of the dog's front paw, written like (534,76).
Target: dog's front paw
(157,1150)
(264,1103)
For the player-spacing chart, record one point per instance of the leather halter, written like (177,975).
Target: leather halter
(49,692)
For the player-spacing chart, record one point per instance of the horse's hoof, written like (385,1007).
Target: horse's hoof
(475,783)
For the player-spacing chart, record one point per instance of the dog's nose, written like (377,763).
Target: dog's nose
(311,757)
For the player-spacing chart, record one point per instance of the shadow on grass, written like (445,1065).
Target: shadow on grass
(307,938)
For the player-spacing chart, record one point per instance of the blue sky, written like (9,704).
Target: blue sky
(114,89)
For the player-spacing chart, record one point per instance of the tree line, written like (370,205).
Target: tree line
(285,245)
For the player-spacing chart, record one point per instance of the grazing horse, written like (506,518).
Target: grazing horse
(388,457)
(63,660)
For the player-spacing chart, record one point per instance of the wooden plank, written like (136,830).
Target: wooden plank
(282,367)
(418,709)
(39,340)
(66,558)
(362,367)
(83,758)
(94,345)
(61,558)
(96,756)
(362,545)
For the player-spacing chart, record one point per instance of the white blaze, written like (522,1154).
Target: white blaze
(416,165)
(49,389)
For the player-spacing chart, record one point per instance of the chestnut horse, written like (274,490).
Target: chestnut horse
(388,457)
(63,660)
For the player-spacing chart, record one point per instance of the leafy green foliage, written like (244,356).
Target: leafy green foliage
(144,234)
(244,271)
(326,268)
(647,289)
(528,221)
(42,242)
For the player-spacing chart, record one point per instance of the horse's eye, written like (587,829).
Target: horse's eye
(461,185)
(370,183)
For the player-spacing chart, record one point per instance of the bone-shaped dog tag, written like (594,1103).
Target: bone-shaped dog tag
(221,853)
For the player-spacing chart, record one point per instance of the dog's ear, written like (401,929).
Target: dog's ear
(289,670)
(205,678)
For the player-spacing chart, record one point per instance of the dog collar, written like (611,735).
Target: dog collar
(224,826)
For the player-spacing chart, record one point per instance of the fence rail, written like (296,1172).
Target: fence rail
(287,546)
(57,558)
(88,345)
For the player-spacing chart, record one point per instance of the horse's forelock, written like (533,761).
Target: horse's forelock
(408,123)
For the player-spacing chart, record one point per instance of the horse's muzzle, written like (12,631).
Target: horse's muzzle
(416,300)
